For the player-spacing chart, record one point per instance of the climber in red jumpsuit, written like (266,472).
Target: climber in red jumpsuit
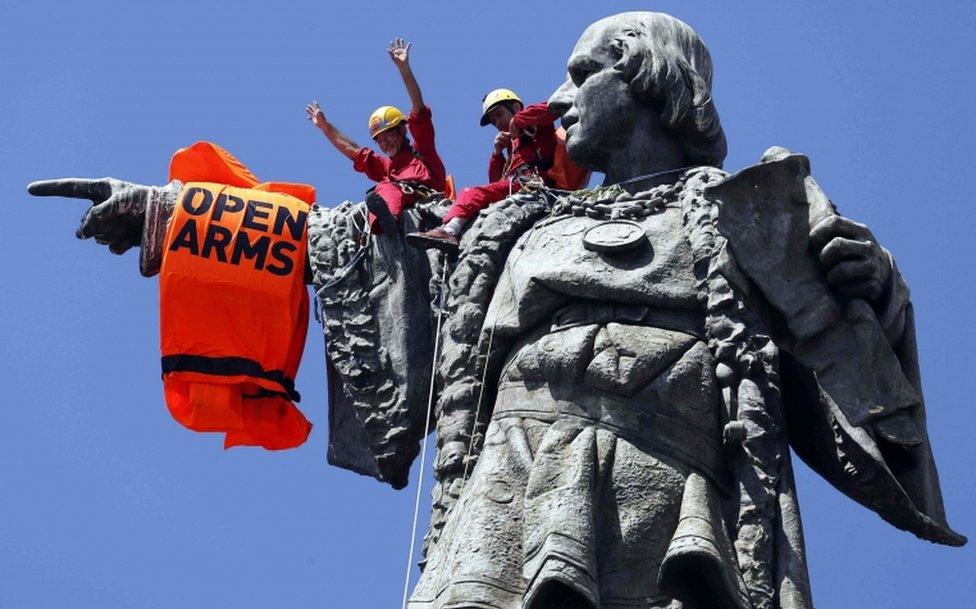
(528,135)
(405,171)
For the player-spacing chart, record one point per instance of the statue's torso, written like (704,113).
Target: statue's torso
(606,407)
(615,339)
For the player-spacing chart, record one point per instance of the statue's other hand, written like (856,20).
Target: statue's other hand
(854,264)
(116,215)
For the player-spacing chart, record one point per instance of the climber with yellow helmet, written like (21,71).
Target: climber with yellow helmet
(523,152)
(407,169)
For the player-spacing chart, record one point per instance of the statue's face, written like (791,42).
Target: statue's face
(597,107)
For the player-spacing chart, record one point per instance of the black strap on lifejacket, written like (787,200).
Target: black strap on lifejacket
(229,366)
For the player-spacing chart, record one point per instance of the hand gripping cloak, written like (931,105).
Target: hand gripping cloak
(851,387)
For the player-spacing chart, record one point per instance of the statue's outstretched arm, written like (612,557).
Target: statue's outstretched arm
(122,215)
(377,311)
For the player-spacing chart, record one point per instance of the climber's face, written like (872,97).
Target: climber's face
(502,114)
(392,141)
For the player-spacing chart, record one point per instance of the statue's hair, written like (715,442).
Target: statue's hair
(667,64)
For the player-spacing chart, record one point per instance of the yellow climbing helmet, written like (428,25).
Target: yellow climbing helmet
(493,99)
(383,119)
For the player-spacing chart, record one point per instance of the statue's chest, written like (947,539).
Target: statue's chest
(644,261)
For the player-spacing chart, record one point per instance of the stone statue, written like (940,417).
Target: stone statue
(620,373)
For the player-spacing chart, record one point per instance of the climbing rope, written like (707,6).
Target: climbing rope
(423,449)
(366,239)
(646,176)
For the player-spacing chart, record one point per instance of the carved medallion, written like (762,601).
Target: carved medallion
(614,236)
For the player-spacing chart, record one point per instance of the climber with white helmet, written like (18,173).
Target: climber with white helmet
(523,152)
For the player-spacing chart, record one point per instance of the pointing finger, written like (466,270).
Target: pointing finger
(75,188)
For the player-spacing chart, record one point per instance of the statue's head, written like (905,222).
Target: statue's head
(627,66)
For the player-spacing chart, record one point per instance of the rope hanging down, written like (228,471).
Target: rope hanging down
(423,449)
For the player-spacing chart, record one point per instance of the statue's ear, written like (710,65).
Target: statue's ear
(665,76)
(626,47)
(654,74)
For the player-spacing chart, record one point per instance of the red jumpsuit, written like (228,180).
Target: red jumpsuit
(420,164)
(530,151)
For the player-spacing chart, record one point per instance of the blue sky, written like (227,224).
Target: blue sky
(107,502)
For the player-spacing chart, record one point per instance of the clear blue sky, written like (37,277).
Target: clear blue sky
(107,502)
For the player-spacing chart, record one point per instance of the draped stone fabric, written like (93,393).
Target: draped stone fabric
(585,456)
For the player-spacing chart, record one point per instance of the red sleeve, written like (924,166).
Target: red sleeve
(422,129)
(373,165)
(496,166)
(536,114)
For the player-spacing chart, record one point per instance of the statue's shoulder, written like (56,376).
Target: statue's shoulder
(778,171)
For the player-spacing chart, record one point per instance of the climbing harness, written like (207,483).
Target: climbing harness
(528,178)
(410,187)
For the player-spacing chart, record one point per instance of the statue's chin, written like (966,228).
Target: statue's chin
(584,153)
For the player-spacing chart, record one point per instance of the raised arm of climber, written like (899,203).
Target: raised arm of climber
(405,169)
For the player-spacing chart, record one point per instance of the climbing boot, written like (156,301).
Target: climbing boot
(378,207)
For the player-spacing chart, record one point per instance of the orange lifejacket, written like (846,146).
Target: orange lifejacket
(233,301)
(449,189)
(564,173)
(208,162)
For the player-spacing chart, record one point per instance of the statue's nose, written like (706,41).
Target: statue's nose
(562,98)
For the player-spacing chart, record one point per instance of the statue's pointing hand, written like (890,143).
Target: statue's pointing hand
(116,215)
(855,265)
